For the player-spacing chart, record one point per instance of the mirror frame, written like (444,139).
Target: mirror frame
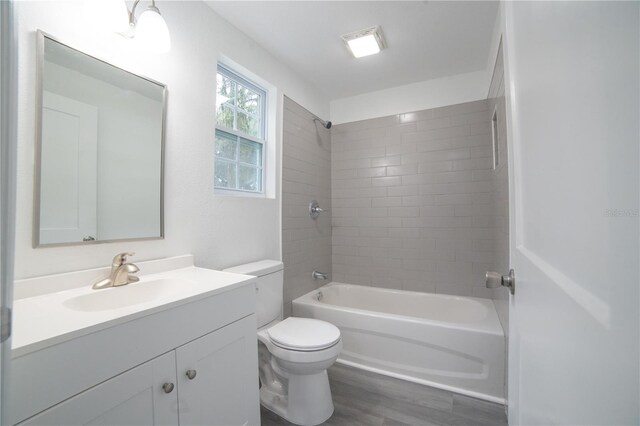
(41,36)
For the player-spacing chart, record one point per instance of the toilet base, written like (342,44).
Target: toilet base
(307,400)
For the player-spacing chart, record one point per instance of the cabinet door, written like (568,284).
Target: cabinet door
(224,390)
(135,397)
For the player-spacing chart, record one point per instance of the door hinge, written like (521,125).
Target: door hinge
(5,323)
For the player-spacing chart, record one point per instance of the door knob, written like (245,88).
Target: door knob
(494,280)
(191,374)
(168,387)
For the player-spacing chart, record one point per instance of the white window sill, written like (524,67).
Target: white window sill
(241,194)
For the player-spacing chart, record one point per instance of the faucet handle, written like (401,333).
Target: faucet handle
(121,258)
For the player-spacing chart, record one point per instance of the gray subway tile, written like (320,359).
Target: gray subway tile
(409,190)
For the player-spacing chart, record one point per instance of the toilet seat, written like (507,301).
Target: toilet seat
(303,334)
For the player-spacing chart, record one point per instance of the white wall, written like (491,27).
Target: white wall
(496,36)
(455,89)
(220,231)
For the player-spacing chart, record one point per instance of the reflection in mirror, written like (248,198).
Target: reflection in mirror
(99,159)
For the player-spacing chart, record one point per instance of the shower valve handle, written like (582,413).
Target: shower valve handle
(315,210)
(316,275)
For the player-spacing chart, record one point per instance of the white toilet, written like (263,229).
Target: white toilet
(294,353)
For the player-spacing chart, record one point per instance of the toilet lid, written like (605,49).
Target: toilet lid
(304,334)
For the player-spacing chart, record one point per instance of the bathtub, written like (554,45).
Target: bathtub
(449,342)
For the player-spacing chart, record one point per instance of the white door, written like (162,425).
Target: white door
(68,178)
(218,377)
(573,99)
(136,397)
(8,146)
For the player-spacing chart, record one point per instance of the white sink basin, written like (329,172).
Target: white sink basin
(127,295)
(47,319)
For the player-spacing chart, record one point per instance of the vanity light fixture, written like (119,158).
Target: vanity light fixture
(368,41)
(150,31)
(107,15)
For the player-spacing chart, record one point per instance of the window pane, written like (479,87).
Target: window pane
(250,152)
(225,145)
(225,176)
(240,117)
(248,100)
(248,125)
(225,91)
(249,178)
(224,116)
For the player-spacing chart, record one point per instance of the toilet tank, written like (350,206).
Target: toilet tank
(269,288)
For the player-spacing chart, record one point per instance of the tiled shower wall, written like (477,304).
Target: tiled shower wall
(306,176)
(412,201)
(500,190)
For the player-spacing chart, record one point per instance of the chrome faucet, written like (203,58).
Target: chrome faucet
(120,273)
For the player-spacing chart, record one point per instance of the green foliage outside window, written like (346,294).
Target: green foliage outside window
(241,108)
(240,111)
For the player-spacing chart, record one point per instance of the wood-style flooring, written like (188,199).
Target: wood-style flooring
(369,399)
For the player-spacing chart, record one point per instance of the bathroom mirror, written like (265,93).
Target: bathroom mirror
(99,153)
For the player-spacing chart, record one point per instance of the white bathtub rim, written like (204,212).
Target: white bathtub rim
(494,331)
(443,324)
(482,300)
(465,392)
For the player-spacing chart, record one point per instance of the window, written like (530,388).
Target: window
(240,133)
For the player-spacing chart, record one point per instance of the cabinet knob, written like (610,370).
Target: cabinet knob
(168,387)
(191,374)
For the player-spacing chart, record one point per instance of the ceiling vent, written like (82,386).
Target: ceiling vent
(364,42)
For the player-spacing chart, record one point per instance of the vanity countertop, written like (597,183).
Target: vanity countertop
(48,319)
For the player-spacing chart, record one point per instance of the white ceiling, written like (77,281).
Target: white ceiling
(425,39)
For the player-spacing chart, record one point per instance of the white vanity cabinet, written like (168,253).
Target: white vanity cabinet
(210,381)
(135,397)
(130,367)
(217,377)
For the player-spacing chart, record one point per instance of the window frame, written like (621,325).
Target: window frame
(228,72)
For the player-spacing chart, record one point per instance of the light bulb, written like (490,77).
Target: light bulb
(152,33)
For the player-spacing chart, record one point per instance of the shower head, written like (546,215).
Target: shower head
(325,124)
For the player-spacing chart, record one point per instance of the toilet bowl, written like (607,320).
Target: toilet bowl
(294,353)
